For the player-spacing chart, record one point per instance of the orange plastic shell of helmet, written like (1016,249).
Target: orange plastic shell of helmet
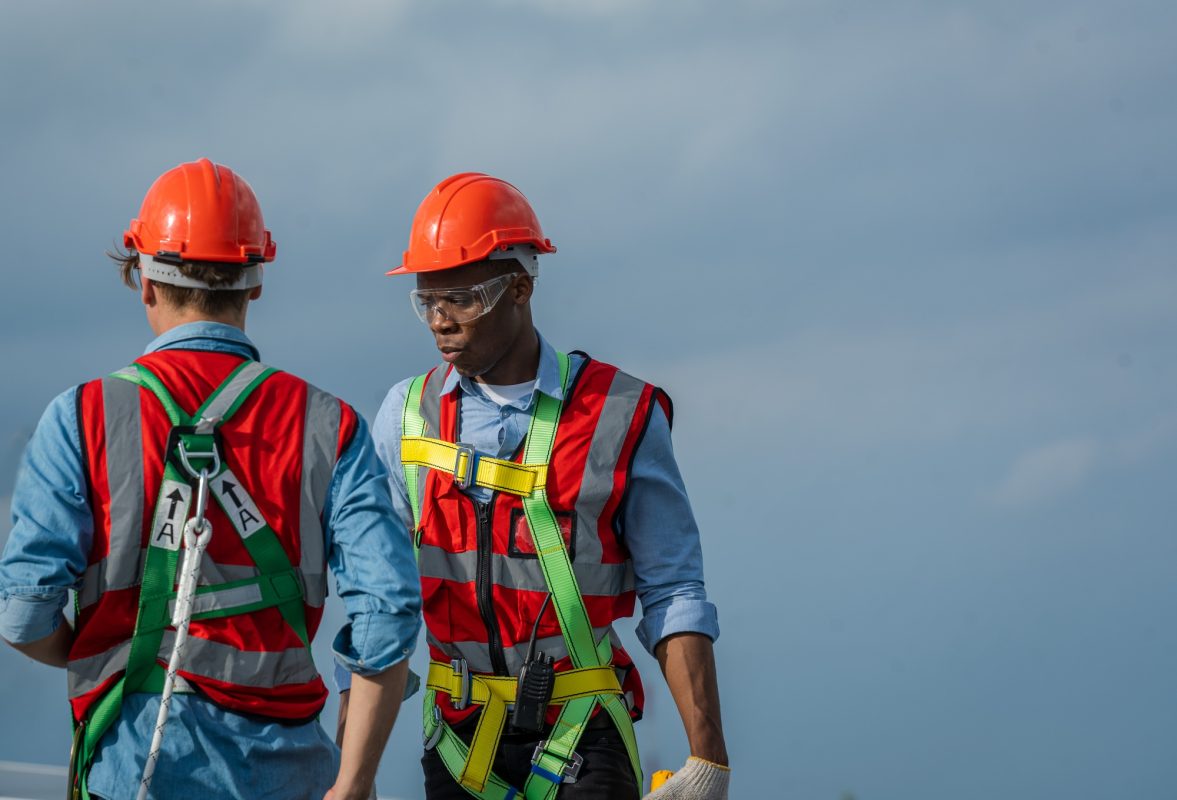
(464,219)
(201,211)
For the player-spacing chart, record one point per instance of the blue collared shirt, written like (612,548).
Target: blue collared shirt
(368,550)
(660,529)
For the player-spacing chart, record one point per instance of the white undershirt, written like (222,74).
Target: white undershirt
(507,395)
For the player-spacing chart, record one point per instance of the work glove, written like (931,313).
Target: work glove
(699,779)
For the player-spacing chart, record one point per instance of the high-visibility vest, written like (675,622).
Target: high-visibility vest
(281,445)
(483,585)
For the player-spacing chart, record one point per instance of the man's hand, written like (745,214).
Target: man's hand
(697,780)
(372,706)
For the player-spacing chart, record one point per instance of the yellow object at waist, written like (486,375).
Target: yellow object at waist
(569,685)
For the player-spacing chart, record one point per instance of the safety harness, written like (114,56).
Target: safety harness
(194,447)
(591,683)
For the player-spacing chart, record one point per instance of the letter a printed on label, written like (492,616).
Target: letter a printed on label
(238,505)
(167,528)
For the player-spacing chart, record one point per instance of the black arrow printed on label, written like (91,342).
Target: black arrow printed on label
(176,497)
(227,488)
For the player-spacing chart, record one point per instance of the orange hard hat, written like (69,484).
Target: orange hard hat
(201,211)
(467,217)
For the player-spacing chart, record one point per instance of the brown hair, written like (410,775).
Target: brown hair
(206,301)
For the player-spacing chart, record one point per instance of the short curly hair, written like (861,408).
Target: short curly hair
(213,303)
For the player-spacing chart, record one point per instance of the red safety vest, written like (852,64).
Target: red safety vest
(481,583)
(282,444)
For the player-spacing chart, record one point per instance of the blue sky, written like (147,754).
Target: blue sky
(906,269)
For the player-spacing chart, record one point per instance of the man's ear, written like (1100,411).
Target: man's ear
(524,286)
(255,293)
(147,292)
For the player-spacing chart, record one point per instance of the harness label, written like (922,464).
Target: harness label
(238,505)
(167,528)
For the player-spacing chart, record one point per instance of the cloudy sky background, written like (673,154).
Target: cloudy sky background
(906,268)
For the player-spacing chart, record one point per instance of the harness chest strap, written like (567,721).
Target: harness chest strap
(469,468)
(277,583)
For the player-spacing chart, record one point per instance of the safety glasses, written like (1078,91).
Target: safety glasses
(461,304)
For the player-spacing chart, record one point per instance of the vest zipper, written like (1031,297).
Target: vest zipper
(484,588)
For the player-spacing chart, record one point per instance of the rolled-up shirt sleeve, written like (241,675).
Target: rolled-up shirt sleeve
(53,527)
(370,553)
(660,531)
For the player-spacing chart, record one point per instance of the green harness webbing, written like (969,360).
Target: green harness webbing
(558,752)
(192,442)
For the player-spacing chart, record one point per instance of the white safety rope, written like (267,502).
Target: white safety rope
(197,533)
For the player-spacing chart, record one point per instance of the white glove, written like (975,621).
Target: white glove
(697,780)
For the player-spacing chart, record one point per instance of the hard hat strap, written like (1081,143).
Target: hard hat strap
(162,272)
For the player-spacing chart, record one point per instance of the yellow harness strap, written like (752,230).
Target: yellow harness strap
(493,693)
(456,459)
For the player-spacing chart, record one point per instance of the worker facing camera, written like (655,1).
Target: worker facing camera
(545,501)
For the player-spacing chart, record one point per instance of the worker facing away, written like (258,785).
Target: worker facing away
(193,501)
(544,498)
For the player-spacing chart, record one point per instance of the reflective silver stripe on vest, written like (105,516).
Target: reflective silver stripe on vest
(221,599)
(218,661)
(211,574)
(320,442)
(228,396)
(122,565)
(225,662)
(431,401)
(430,410)
(477,654)
(525,574)
(596,484)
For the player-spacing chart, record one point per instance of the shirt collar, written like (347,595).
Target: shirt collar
(205,336)
(547,377)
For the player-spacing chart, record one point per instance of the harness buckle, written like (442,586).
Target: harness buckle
(213,454)
(438,729)
(467,451)
(462,670)
(568,774)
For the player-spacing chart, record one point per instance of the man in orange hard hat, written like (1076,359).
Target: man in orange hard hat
(544,498)
(193,501)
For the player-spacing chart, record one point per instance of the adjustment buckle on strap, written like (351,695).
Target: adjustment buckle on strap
(438,729)
(463,478)
(461,670)
(567,775)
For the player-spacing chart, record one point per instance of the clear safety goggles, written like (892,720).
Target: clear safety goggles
(460,304)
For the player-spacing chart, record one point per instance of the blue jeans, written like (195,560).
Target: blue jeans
(606,772)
